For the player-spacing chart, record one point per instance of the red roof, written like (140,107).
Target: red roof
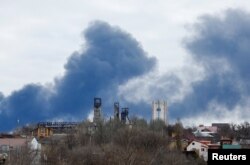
(13,142)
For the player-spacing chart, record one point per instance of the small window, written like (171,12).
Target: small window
(192,143)
(202,149)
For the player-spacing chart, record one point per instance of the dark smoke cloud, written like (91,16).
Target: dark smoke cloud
(111,58)
(26,105)
(221,46)
(1,96)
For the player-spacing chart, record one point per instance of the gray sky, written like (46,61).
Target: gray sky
(201,46)
(37,37)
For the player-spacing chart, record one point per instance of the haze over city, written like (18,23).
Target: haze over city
(56,57)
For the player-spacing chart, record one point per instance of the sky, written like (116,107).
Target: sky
(191,53)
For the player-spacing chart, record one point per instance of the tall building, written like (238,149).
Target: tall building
(116,110)
(97,109)
(159,110)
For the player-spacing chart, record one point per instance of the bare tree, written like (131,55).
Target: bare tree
(22,156)
(178,129)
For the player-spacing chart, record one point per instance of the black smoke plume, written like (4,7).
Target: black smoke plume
(110,58)
(221,46)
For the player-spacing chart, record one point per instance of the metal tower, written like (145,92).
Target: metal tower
(116,110)
(159,110)
(97,109)
(124,115)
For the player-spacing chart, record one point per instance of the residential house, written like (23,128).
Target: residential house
(200,148)
(202,128)
(16,143)
(206,133)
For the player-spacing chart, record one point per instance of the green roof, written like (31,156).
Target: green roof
(230,146)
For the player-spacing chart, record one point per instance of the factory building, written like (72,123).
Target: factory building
(47,129)
(159,110)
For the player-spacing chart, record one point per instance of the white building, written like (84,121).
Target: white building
(159,110)
(34,144)
(200,148)
(212,129)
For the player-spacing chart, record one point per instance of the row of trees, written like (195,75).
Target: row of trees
(110,142)
(113,143)
(236,131)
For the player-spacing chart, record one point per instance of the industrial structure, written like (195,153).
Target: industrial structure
(116,111)
(97,110)
(120,116)
(47,129)
(159,110)
(124,116)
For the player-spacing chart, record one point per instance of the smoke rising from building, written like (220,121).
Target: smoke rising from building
(113,65)
(110,58)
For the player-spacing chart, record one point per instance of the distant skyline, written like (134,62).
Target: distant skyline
(55,57)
